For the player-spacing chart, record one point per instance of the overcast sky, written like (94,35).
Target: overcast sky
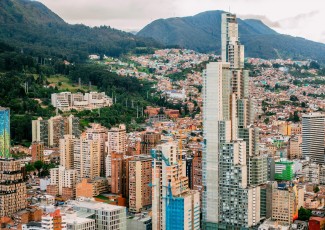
(295,17)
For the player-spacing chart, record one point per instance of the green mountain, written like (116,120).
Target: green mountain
(35,29)
(202,32)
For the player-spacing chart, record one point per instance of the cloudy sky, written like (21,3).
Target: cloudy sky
(295,17)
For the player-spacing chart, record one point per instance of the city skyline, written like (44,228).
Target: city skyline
(300,20)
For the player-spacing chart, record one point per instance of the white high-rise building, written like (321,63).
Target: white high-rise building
(313,137)
(232,166)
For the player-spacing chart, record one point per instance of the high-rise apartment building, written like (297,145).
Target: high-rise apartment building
(174,205)
(52,130)
(140,176)
(233,169)
(4,132)
(116,142)
(12,187)
(99,133)
(149,140)
(86,157)
(67,151)
(313,133)
(119,179)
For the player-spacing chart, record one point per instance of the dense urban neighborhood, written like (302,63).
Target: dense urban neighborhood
(162,138)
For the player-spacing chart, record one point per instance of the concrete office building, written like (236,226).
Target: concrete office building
(107,217)
(74,222)
(313,137)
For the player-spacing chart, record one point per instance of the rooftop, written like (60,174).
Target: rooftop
(94,205)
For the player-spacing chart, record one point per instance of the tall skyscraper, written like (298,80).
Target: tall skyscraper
(232,166)
(4,133)
(12,181)
(313,133)
(174,205)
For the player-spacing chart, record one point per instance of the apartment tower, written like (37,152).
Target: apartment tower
(140,176)
(116,143)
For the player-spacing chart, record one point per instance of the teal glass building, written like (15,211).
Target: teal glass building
(4,132)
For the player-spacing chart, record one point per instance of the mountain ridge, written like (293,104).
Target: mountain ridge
(202,32)
(37,30)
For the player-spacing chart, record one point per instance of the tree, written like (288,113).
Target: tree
(30,167)
(296,117)
(316,189)
(266,120)
(314,65)
(304,214)
(38,165)
(294,98)
(303,104)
